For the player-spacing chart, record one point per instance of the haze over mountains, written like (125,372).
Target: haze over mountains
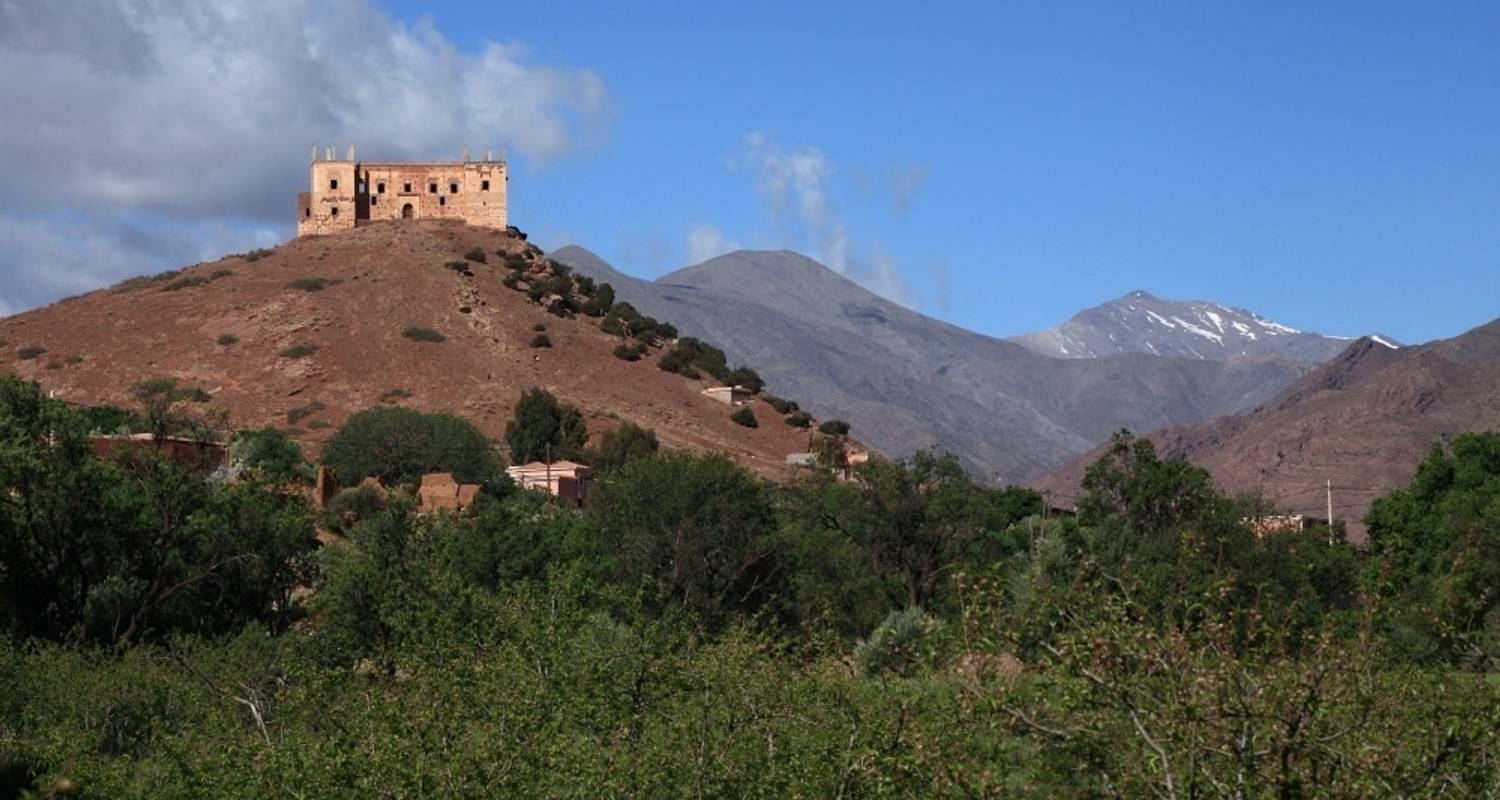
(907,381)
(1142,323)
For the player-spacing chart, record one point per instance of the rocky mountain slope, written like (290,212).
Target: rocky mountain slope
(1362,421)
(1141,323)
(316,328)
(907,381)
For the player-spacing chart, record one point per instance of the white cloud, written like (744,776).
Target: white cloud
(794,183)
(706,241)
(191,113)
(50,259)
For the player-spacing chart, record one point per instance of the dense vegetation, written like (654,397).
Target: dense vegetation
(696,631)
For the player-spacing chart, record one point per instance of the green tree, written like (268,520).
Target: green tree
(621,445)
(399,445)
(545,429)
(1436,548)
(694,530)
(271,453)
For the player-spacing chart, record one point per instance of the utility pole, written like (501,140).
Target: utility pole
(1330,510)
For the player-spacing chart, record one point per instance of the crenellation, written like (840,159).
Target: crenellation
(346,193)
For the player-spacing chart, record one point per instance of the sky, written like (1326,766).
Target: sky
(1333,166)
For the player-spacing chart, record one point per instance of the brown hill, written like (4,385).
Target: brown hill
(379,281)
(1363,421)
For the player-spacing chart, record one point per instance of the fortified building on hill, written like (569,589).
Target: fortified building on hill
(345,193)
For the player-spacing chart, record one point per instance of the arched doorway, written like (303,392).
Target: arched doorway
(407,212)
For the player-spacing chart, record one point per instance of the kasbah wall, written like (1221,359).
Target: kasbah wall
(345,193)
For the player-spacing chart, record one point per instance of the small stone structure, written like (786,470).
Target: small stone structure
(345,193)
(184,450)
(440,491)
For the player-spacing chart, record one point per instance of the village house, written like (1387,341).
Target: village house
(564,480)
(181,449)
(728,395)
(345,193)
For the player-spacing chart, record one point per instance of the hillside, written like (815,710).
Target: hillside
(1141,323)
(376,282)
(1363,421)
(907,381)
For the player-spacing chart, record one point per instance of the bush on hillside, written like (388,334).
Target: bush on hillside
(298,351)
(545,429)
(419,334)
(476,255)
(541,340)
(834,427)
(399,445)
(745,417)
(629,352)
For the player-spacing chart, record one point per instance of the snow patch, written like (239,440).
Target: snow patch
(1157,318)
(1243,329)
(1379,340)
(1204,332)
(1274,327)
(1217,320)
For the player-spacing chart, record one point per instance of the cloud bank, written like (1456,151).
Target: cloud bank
(194,112)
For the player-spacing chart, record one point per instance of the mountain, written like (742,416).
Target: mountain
(1141,323)
(1362,421)
(907,381)
(351,296)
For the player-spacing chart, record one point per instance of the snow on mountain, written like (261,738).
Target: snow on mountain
(1142,323)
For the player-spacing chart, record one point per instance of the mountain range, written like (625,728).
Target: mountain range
(1361,422)
(1142,323)
(907,381)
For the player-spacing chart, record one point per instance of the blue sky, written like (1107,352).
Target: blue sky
(1334,166)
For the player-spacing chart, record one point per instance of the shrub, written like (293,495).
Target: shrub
(30,352)
(782,405)
(185,283)
(349,506)
(612,326)
(539,327)
(420,334)
(512,281)
(476,255)
(834,427)
(319,424)
(74,359)
(299,351)
(601,300)
(896,645)
(690,355)
(394,394)
(622,445)
(513,261)
(54,364)
(561,307)
(220,273)
(257,254)
(465,309)
(301,412)
(461,267)
(744,417)
(798,419)
(629,352)
(312,284)
(545,428)
(399,445)
(269,452)
(746,377)
(227,339)
(541,340)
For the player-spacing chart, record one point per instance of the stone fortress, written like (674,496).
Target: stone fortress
(346,193)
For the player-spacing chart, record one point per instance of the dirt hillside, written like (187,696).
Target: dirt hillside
(234,327)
